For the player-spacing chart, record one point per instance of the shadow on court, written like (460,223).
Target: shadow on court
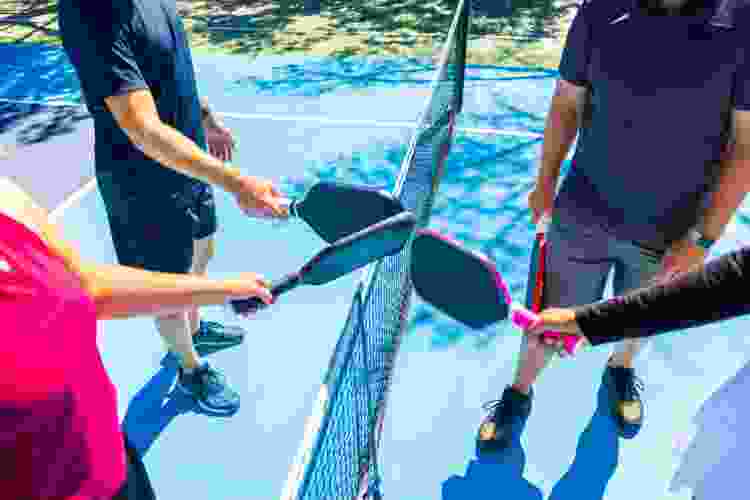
(481,202)
(155,406)
(594,464)
(30,124)
(35,72)
(498,474)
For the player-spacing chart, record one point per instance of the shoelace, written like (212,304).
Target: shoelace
(496,407)
(206,376)
(628,386)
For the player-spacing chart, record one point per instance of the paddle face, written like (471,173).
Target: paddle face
(335,210)
(466,286)
(460,283)
(353,252)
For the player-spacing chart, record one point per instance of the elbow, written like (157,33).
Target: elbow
(141,132)
(139,127)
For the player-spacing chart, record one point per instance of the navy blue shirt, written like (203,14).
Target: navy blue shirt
(118,46)
(663,88)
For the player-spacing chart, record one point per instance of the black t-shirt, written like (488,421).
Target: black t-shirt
(717,291)
(118,46)
(663,88)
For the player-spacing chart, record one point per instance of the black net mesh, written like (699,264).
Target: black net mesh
(338,456)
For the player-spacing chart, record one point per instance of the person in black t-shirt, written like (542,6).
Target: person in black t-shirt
(136,72)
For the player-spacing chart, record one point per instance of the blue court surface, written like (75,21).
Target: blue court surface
(302,119)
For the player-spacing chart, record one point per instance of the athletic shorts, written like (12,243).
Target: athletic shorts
(580,259)
(137,484)
(154,229)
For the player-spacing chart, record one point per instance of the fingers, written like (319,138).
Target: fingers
(263,287)
(264,294)
(275,200)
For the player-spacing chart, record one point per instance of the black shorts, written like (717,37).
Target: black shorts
(154,229)
(137,484)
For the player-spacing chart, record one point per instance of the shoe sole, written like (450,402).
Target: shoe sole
(208,410)
(206,349)
(216,345)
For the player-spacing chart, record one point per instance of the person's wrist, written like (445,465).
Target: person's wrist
(574,326)
(232,179)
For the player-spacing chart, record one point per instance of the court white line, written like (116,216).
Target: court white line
(80,193)
(320,119)
(369,123)
(71,200)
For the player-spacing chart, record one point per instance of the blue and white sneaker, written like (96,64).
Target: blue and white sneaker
(210,390)
(213,337)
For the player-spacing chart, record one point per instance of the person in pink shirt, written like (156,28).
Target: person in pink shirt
(59,432)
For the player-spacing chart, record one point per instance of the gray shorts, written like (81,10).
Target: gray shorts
(580,259)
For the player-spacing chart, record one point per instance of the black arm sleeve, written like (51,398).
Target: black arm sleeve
(715,292)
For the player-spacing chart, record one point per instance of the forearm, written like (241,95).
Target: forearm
(174,150)
(122,292)
(709,294)
(560,131)
(731,188)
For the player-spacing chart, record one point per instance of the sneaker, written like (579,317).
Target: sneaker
(507,418)
(213,337)
(209,388)
(623,389)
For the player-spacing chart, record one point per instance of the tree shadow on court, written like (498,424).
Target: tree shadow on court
(481,202)
(37,72)
(325,76)
(28,124)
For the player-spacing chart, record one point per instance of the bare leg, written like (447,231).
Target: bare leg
(533,358)
(204,251)
(625,352)
(175,330)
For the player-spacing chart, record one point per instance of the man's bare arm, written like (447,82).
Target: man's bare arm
(734,179)
(136,113)
(560,130)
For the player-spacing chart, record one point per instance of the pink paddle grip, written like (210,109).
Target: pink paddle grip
(523,318)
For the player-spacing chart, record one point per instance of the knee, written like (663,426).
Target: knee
(210,249)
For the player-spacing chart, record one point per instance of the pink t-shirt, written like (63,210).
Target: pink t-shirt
(59,432)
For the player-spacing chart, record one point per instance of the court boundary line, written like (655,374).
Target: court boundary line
(371,123)
(72,199)
(90,185)
(321,119)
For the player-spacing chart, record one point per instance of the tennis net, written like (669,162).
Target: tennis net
(338,455)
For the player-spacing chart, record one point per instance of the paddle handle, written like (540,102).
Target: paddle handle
(542,226)
(254,304)
(523,318)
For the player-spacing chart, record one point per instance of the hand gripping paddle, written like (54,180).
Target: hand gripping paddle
(346,255)
(336,210)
